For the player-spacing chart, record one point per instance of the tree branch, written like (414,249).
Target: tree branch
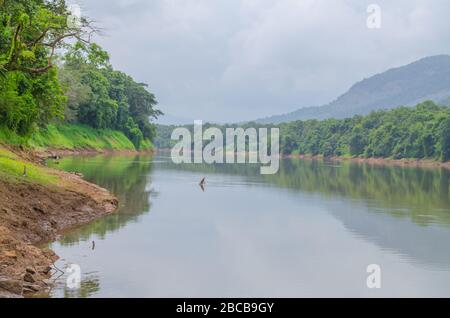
(40,38)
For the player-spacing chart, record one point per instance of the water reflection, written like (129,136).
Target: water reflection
(423,195)
(128,177)
(303,232)
(382,196)
(423,245)
(89,287)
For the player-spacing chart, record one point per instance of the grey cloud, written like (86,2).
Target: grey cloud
(232,60)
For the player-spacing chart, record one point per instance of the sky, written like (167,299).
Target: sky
(238,60)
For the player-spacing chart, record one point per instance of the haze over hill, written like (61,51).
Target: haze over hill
(169,119)
(425,79)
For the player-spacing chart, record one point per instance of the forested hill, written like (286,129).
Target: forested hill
(426,79)
(421,132)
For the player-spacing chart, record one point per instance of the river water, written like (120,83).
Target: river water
(311,230)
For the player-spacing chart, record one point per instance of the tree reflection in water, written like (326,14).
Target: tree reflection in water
(127,176)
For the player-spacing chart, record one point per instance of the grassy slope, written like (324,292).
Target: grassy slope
(12,168)
(72,137)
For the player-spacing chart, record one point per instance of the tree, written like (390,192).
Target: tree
(444,139)
(114,100)
(31,32)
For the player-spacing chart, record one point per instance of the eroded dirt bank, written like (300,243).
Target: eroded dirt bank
(419,163)
(50,153)
(32,214)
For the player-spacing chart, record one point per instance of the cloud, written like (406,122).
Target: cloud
(232,60)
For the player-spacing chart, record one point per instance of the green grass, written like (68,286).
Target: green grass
(7,154)
(12,167)
(79,137)
(9,137)
(72,137)
(146,145)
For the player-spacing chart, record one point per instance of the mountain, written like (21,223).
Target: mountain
(426,79)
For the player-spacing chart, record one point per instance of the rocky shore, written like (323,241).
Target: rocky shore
(32,214)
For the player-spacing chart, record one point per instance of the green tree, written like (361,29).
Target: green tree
(444,139)
(114,100)
(31,32)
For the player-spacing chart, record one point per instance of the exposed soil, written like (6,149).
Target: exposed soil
(382,161)
(32,214)
(52,153)
(373,161)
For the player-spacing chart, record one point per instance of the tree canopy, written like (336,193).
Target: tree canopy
(38,85)
(406,132)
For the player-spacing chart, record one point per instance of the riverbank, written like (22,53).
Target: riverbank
(419,163)
(36,205)
(59,153)
(75,138)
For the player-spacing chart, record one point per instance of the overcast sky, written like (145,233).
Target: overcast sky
(235,60)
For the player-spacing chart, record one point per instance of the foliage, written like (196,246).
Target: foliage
(31,31)
(104,97)
(35,90)
(419,132)
(79,137)
(72,136)
(12,167)
(407,132)
(443,139)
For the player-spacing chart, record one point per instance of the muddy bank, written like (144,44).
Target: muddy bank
(32,214)
(380,161)
(373,161)
(55,153)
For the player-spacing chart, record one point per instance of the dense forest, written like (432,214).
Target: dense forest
(407,132)
(51,72)
(419,132)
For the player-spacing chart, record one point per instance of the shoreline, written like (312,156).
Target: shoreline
(415,163)
(418,163)
(33,214)
(49,153)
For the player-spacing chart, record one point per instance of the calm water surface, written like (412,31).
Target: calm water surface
(310,230)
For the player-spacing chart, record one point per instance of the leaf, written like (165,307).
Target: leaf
(2,71)
(28,55)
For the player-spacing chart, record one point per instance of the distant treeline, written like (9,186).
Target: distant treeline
(45,78)
(405,132)
(419,132)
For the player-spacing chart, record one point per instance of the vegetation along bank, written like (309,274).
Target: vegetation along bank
(417,135)
(58,91)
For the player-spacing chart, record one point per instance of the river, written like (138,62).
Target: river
(311,230)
